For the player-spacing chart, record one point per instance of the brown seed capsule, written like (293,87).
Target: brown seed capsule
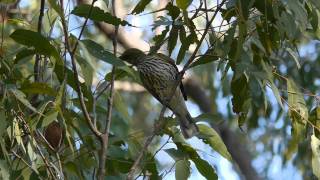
(54,135)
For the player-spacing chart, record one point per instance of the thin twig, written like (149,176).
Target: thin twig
(104,139)
(38,56)
(75,71)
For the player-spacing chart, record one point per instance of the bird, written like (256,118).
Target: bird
(159,75)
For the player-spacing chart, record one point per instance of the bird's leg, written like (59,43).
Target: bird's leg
(159,124)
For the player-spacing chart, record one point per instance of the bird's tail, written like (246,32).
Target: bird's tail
(188,126)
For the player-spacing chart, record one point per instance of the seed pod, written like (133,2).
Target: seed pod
(54,135)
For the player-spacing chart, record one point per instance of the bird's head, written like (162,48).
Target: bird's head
(132,56)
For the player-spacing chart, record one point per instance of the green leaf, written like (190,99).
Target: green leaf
(121,106)
(182,169)
(35,40)
(297,104)
(97,15)
(205,169)
(191,38)
(203,166)
(294,57)
(60,95)
(315,146)
(98,51)
(4,170)
(37,88)
(205,59)
(276,93)
(314,118)
(176,154)
(173,37)
(211,137)
(56,7)
(87,70)
(49,118)
(140,6)
(22,98)
(298,113)
(159,40)
(24,54)
(4,123)
(173,11)
(183,4)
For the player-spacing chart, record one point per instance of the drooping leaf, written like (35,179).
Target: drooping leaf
(202,165)
(87,69)
(294,57)
(298,113)
(314,118)
(182,169)
(23,54)
(211,137)
(56,7)
(97,15)
(173,37)
(140,6)
(276,93)
(22,98)
(298,109)
(241,100)
(49,118)
(205,169)
(159,40)
(35,40)
(98,51)
(191,38)
(173,10)
(37,88)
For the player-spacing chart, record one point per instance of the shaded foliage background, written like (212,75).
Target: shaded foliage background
(255,82)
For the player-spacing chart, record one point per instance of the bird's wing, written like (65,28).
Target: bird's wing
(147,84)
(171,61)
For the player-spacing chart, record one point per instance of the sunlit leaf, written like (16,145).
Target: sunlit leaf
(210,136)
